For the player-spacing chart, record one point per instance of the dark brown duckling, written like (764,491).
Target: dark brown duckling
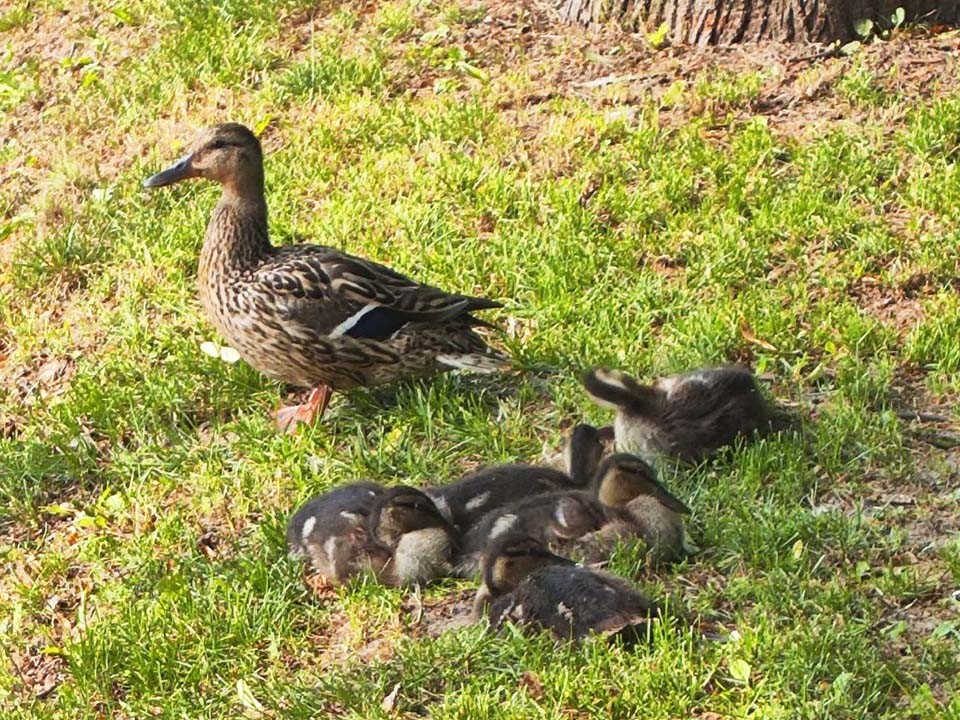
(468,499)
(330,531)
(414,542)
(687,416)
(528,585)
(309,315)
(550,518)
(637,505)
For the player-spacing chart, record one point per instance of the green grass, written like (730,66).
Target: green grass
(393,134)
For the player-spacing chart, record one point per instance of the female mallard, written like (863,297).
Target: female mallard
(309,315)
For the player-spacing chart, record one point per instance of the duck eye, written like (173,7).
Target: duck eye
(219,144)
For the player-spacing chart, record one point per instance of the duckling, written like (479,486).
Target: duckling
(528,585)
(468,499)
(329,531)
(687,416)
(415,540)
(549,518)
(464,501)
(636,505)
(309,315)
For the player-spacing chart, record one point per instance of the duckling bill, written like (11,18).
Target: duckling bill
(308,315)
(688,416)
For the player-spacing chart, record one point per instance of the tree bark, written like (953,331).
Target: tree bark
(721,22)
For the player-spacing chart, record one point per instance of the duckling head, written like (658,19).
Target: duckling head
(617,390)
(506,562)
(229,154)
(510,559)
(623,477)
(401,510)
(582,453)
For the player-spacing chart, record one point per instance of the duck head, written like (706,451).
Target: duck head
(623,477)
(229,154)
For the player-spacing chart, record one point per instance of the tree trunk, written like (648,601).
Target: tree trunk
(720,22)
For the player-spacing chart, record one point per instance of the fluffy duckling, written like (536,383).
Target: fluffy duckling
(465,501)
(687,416)
(637,505)
(309,315)
(549,518)
(330,531)
(413,542)
(526,584)
(468,499)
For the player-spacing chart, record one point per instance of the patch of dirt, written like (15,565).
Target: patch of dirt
(898,304)
(890,305)
(47,377)
(39,673)
(439,615)
(349,641)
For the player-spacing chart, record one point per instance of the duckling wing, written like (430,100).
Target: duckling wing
(336,294)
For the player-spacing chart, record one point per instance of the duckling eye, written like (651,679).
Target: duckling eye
(219,144)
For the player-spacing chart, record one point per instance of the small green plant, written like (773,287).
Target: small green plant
(659,38)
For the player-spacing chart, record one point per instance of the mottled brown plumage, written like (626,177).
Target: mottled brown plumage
(309,315)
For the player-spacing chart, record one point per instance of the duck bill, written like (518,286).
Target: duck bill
(666,498)
(180,170)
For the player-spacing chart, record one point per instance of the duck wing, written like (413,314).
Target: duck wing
(336,294)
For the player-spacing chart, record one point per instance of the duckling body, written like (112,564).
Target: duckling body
(688,416)
(415,542)
(329,531)
(467,500)
(549,518)
(527,585)
(309,315)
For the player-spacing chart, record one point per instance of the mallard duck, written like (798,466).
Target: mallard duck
(308,315)
(549,518)
(687,417)
(636,505)
(526,584)
(418,543)
(330,531)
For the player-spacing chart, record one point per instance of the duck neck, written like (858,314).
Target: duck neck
(237,235)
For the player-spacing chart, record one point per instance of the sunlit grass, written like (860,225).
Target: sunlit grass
(389,137)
